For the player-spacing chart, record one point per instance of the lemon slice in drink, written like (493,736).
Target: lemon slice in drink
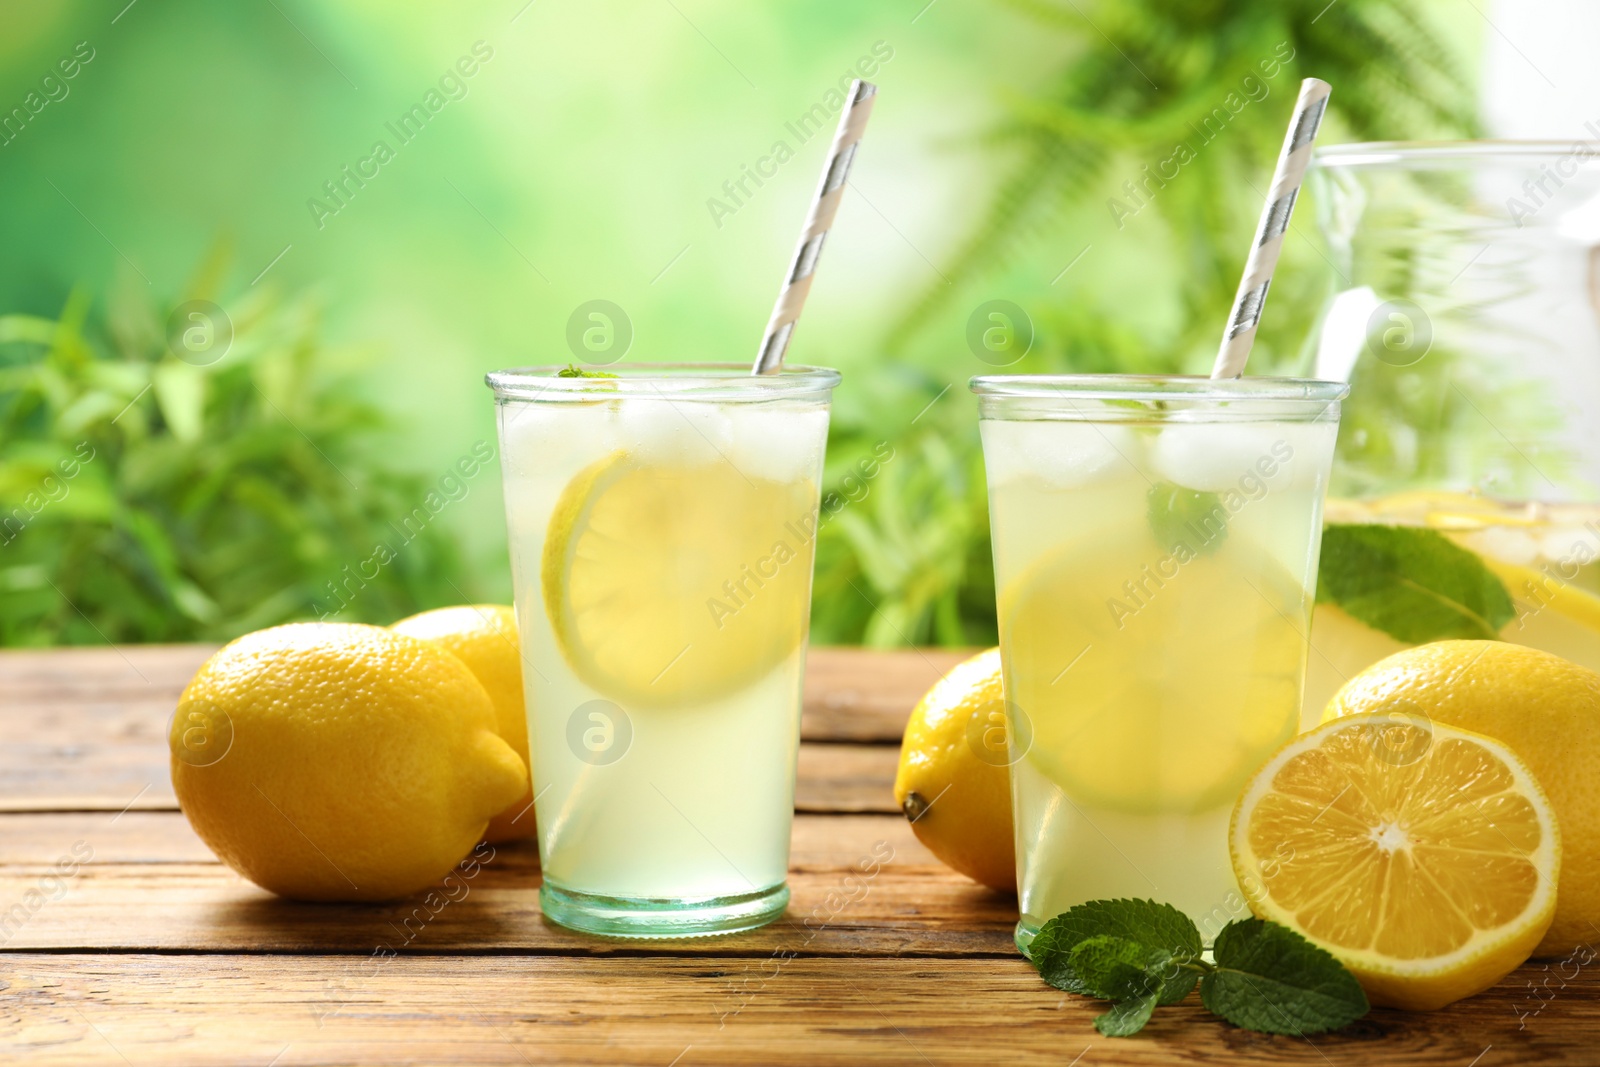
(1424,857)
(671,584)
(1153,685)
(1552,614)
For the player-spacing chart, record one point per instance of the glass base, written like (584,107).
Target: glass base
(662,916)
(1023,936)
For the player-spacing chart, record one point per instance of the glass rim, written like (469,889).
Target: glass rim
(687,381)
(1403,153)
(1190,387)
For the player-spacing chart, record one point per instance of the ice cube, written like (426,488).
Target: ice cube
(1061,454)
(663,430)
(780,445)
(1567,543)
(537,439)
(1214,457)
(1510,545)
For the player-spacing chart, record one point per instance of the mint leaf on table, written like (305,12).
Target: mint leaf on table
(1143,922)
(1188,516)
(1115,968)
(1141,955)
(1126,1017)
(1267,977)
(1414,584)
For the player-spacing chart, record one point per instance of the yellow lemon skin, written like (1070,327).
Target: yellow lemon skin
(484,637)
(954,783)
(1424,857)
(356,764)
(1545,709)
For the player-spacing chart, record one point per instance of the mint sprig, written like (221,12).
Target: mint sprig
(572,370)
(1414,584)
(1139,955)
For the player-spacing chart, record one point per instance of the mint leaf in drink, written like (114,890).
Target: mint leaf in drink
(1414,584)
(1126,1017)
(572,370)
(1269,978)
(1143,922)
(1186,516)
(1114,968)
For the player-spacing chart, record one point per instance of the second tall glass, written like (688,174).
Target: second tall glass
(1155,547)
(662,524)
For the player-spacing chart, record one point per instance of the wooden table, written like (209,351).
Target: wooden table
(151,952)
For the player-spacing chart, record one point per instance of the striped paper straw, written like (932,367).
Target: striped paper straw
(824,205)
(1252,295)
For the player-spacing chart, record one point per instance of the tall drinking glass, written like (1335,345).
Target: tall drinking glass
(661,529)
(1155,549)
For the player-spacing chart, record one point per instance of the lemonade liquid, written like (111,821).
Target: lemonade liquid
(1547,556)
(661,549)
(1155,582)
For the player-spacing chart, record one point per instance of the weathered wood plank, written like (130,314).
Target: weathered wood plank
(851,694)
(856,778)
(105,674)
(854,694)
(37,840)
(81,731)
(32,843)
(73,1010)
(861,885)
(909,911)
(113,777)
(885,956)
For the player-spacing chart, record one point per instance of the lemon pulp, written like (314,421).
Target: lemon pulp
(1424,857)
(671,584)
(1156,713)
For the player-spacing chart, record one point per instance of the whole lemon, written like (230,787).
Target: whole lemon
(330,761)
(484,637)
(1545,708)
(954,782)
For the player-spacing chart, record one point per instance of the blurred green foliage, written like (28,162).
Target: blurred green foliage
(905,558)
(227,496)
(1140,80)
(146,498)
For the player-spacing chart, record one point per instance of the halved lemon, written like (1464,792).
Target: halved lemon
(1422,856)
(669,584)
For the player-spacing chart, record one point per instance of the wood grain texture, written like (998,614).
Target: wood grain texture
(86,729)
(151,952)
(851,694)
(860,885)
(37,840)
(193,1009)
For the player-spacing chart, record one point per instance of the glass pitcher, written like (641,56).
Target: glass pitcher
(1465,498)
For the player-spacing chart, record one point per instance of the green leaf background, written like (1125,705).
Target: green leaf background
(579,165)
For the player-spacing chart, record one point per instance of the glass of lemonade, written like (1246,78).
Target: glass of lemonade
(1464,316)
(1155,549)
(661,530)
